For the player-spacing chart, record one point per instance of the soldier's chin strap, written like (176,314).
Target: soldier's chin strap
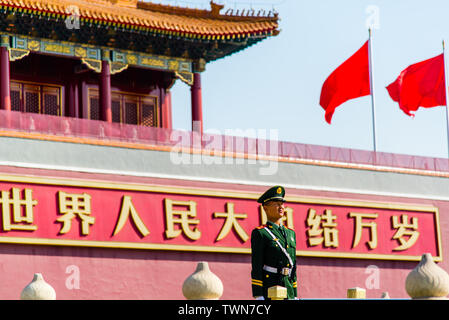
(282,248)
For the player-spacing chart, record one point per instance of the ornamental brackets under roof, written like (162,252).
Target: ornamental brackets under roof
(138,26)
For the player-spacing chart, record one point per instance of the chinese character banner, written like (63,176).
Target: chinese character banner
(86,213)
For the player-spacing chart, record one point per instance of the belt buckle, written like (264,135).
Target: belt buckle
(285,271)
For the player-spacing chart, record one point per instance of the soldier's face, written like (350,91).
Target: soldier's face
(274,210)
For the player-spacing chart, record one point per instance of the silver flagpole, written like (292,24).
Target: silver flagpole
(371,83)
(447,95)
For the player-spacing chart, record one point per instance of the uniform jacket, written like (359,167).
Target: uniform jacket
(265,251)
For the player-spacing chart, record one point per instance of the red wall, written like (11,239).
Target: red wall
(142,274)
(135,274)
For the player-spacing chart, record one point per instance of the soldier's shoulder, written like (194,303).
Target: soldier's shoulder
(290,229)
(259,229)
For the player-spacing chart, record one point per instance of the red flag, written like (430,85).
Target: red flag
(420,85)
(350,80)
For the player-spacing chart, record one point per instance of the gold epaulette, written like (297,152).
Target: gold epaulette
(257,282)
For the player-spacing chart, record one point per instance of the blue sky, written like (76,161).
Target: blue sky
(276,84)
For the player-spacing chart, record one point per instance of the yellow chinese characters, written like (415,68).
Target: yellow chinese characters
(406,233)
(175,216)
(74,205)
(405,229)
(323,228)
(127,210)
(231,223)
(327,228)
(360,223)
(19,222)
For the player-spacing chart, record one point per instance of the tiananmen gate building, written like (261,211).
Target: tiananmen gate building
(96,183)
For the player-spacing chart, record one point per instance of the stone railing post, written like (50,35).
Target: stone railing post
(277,293)
(38,289)
(356,293)
(427,281)
(202,284)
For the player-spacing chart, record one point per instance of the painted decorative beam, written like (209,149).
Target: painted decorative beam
(91,55)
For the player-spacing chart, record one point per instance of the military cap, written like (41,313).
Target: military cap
(274,193)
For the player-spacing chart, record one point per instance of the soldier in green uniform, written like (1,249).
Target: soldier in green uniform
(273,249)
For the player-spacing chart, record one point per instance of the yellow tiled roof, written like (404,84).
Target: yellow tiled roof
(163,18)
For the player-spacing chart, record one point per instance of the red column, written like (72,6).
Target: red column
(5,91)
(105,92)
(167,111)
(197,104)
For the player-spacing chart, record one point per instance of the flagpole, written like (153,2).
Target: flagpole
(370,62)
(447,95)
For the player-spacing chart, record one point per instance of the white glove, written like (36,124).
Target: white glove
(260,298)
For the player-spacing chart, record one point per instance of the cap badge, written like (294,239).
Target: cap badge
(279,190)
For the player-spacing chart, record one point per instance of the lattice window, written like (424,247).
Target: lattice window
(148,114)
(131,112)
(51,105)
(126,108)
(15,101)
(32,98)
(94,108)
(51,101)
(16,97)
(35,98)
(116,106)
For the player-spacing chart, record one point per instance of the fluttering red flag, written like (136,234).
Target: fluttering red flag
(420,85)
(349,81)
